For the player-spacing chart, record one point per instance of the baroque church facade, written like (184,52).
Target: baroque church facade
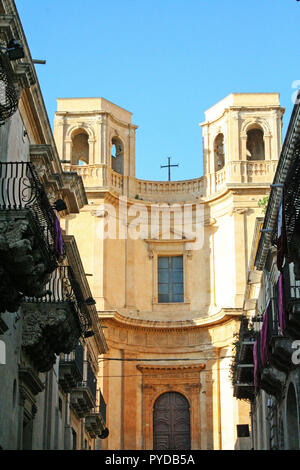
(167,263)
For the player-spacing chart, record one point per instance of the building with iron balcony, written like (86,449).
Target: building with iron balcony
(45,299)
(271,305)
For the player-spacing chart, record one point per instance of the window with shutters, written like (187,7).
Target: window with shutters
(170,279)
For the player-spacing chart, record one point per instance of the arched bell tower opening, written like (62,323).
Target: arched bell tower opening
(255,144)
(80,148)
(117,155)
(219,152)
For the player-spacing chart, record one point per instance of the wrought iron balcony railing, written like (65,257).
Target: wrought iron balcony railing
(21,189)
(273,318)
(64,288)
(8,92)
(75,356)
(84,395)
(71,368)
(102,406)
(91,381)
(95,420)
(291,287)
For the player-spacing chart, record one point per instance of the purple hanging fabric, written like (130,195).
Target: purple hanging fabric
(255,360)
(282,314)
(58,239)
(264,339)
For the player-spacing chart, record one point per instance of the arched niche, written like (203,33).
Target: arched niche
(117,155)
(255,145)
(219,152)
(80,147)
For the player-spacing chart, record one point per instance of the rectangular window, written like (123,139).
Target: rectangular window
(170,279)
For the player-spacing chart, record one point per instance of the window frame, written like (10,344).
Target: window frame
(174,247)
(170,270)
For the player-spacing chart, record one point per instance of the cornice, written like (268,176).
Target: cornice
(96,114)
(242,109)
(154,367)
(123,321)
(75,262)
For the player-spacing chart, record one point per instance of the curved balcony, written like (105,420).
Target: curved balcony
(30,235)
(243,364)
(52,324)
(97,176)
(185,190)
(260,171)
(95,421)
(71,369)
(83,397)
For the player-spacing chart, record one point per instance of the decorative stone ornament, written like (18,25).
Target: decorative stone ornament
(49,331)
(23,270)
(30,235)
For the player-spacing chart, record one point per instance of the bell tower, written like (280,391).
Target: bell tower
(96,138)
(242,140)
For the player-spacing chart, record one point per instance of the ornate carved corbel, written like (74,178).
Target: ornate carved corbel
(47,332)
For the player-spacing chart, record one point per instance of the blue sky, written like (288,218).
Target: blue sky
(166,61)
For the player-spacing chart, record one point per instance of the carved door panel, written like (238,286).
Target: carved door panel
(171,422)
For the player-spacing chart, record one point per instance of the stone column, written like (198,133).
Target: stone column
(129,273)
(99,141)
(91,151)
(243,154)
(203,405)
(68,150)
(227,401)
(211,229)
(104,152)
(268,147)
(241,255)
(213,401)
(99,260)
(195,416)
(59,137)
(130,398)
(234,150)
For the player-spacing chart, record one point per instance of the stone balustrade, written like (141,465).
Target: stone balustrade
(170,190)
(220,179)
(260,171)
(97,176)
(177,191)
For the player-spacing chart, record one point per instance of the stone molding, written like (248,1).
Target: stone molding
(150,368)
(30,380)
(81,401)
(123,321)
(65,185)
(30,385)
(182,379)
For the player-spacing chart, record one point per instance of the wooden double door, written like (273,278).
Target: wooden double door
(171,422)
